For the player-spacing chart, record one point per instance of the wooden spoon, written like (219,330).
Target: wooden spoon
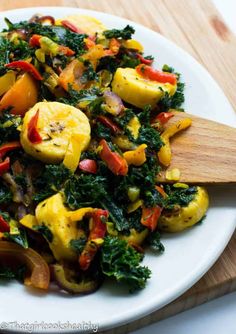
(204,153)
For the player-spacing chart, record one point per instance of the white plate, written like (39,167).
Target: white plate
(188,255)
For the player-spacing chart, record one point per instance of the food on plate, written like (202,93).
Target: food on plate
(84,135)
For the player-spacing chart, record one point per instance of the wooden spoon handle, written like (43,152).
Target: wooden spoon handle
(205,152)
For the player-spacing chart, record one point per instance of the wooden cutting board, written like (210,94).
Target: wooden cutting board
(198,28)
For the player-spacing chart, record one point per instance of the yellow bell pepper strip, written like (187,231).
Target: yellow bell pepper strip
(132,44)
(134,206)
(96,235)
(19,102)
(29,221)
(35,264)
(136,157)
(78,215)
(164,154)
(155,75)
(33,134)
(150,217)
(115,162)
(7,81)
(4,166)
(74,150)
(26,67)
(133,126)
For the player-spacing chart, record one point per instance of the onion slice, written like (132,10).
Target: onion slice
(37,268)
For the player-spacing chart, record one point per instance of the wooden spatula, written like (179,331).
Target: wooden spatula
(205,152)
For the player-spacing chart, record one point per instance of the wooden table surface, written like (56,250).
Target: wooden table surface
(197,27)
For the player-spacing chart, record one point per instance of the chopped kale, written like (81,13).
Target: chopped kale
(50,181)
(122,262)
(78,244)
(84,190)
(178,196)
(5,194)
(151,137)
(125,33)
(74,97)
(101,131)
(172,102)
(129,61)
(154,241)
(7,273)
(20,239)
(45,231)
(89,74)
(116,214)
(135,220)
(8,126)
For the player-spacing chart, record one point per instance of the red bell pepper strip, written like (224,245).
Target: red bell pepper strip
(66,51)
(115,162)
(155,75)
(88,165)
(35,40)
(9,147)
(33,134)
(150,217)
(163,117)
(98,231)
(144,60)
(4,166)
(27,67)
(109,123)
(4,226)
(71,27)
(161,191)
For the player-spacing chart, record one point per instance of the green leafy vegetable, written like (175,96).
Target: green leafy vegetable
(178,196)
(45,231)
(5,194)
(78,244)
(125,33)
(154,241)
(20,238)
(50,181)
(122,262)
(8,126)
(6,273)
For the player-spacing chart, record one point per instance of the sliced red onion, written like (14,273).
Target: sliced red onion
(18,196)
(114,104)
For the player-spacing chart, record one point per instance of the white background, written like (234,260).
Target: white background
(218,316)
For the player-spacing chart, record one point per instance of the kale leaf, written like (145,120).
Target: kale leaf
(122,262)
(178,196)
(5,194)
(78,244)
(125,33)
(20,239)
(8,126)
(84,190)
(50,181)
(6,273)
(45,231)
(154,241)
